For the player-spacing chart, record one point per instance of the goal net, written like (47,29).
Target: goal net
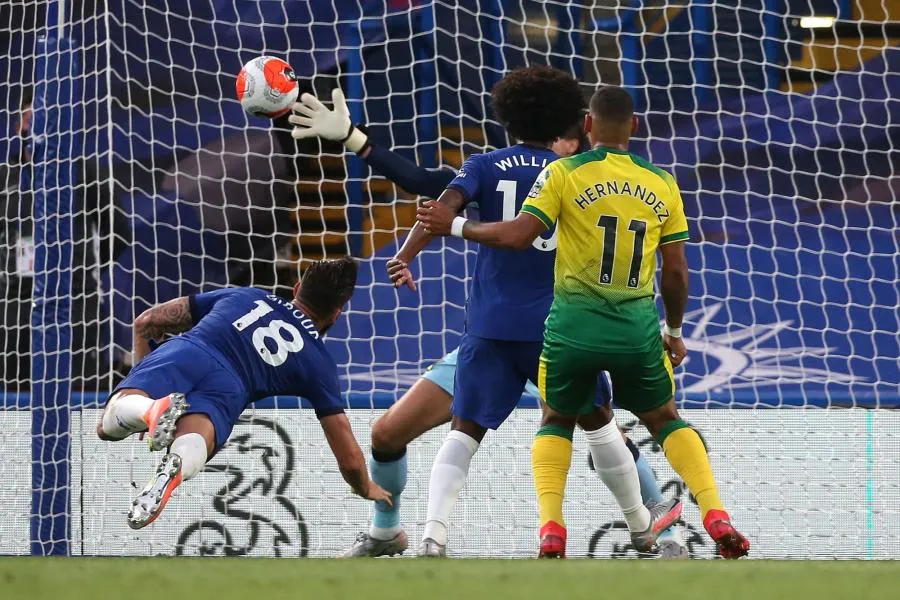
(133,177)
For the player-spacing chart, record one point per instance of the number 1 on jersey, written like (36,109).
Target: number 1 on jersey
(261,310)
(507,187)
(609,224)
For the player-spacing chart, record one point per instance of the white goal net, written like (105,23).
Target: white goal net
(132,176)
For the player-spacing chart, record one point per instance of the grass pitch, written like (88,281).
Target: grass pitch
(367,579)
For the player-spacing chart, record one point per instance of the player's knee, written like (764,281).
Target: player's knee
(654,427)
(384,440)
(110,437)
(659,418)
(551,417)
(469,428)
(102,434)
(198,423)
(596,419)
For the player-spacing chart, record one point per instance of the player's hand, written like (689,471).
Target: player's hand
(311,118)
(378,494)
(436,217)
(675,349)
(400,275)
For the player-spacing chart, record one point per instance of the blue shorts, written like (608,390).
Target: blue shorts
(491,377)
(443,373)
(181,366)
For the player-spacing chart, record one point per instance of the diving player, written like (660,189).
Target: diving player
(237,345)
(427,403)
(613,212)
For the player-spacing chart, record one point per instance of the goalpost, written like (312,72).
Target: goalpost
(138,178)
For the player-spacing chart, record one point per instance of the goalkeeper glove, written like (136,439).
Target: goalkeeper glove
(311,118)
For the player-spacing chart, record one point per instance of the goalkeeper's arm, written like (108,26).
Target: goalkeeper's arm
(312,118)
(408,175)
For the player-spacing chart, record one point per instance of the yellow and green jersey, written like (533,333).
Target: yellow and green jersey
(613,211)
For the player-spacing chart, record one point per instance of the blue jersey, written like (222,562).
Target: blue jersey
(271,346)
(511,290)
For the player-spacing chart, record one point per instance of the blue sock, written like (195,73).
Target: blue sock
(650,491)
(391,475)
(649,486)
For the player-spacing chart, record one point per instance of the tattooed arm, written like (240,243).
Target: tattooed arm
(154,323)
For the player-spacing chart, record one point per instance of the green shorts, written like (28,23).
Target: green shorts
(567,378)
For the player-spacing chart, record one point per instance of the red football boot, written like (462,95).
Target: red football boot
(730,543)
(553,540)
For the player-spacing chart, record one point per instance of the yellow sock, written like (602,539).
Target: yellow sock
(686,453)
(551,456)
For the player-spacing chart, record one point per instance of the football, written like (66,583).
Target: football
(267,87)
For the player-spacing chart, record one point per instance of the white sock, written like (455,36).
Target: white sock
(615,466)
(124,415)
(191,447)
(448,475)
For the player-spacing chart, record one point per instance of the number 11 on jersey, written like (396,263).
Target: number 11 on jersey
(608,224)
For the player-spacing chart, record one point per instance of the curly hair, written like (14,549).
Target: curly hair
(537,103)
(327,285)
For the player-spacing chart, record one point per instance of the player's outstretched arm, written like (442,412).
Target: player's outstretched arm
(517,234)
(350,459)
(419,237)
(155,323)
(674,290)
(408,175)
(311,118)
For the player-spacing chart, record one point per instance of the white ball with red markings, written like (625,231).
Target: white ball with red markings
(266,87)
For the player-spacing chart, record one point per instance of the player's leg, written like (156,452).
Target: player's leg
(448,476)
(195,441)
(132,410)
(488,386)
(215,399)
(615,465)
(619,476)
(647,390)
(147,400)
(124,414)
(567,380)
(551,450)
(686,452)
(553,531)
(423,407)
(671,542)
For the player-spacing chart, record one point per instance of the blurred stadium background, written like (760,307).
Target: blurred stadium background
(132,176)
